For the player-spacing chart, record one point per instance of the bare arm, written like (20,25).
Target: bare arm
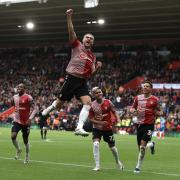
(159,111)
(34,111)
(96,66)
(72,34)
(133,109)
(117,116)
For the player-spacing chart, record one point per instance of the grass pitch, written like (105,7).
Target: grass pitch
(69,157)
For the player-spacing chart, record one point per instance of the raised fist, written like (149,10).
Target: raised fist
(69,12)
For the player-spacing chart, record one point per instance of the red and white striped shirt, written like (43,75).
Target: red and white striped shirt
(22,106)
(82,61)
(105,109)
(146,108)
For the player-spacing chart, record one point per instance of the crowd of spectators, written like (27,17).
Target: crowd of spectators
(43,71)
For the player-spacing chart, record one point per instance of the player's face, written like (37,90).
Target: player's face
(88,41)
(147,88)
(98,94)
(20,88)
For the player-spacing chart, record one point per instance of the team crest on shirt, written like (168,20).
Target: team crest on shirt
(151,102)
(105,107)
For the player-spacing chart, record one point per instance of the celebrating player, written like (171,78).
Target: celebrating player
(81,66)
(101,116)
(146,108)
(24,113)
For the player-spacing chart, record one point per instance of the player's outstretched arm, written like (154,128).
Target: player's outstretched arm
(72,34)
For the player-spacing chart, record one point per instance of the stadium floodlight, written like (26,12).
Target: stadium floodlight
(8,2)
(101,21)
(30,25)
(91,3)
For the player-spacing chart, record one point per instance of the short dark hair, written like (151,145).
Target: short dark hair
(21,84)
(149,82)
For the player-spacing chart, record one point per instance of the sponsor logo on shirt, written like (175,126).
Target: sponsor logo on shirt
(84,56)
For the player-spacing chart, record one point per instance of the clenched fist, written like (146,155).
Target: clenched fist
(69,12)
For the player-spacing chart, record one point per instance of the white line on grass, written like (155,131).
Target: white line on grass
(88,166)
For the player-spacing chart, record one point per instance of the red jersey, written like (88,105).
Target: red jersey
(22,108)
(105,109)
(82,61)
(146,108)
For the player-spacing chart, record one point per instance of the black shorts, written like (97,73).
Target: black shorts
(107,136)
(73,86)
(43,124)
(17,127)
(144,132)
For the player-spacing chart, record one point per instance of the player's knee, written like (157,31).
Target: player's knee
(13,137)
(142,150)
(86,100)
(96,143)
(86,107)
(112,146)
(57,103)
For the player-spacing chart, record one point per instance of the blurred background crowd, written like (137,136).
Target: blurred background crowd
(42,69)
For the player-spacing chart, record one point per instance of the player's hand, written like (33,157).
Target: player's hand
(98,117)
(134,111)
(98,64)
(104,123)
(69,12)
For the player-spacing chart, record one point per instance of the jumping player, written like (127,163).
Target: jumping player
(81,67)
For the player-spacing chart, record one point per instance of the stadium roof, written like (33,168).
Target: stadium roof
(124,20)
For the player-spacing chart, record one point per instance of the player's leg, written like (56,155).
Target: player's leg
(65,94)
(14,132)
(151,145)
(55,105)
(82,93)
(25,135)
(83,116)
(141,155)
(41,132)
(45,131)
(145,135)
(96,141)
(109,138)
(139,138)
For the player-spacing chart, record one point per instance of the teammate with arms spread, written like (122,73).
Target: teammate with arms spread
(101,116)
(24,113)
(81,67)
(146,108)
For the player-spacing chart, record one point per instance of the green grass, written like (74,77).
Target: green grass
(69,157)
